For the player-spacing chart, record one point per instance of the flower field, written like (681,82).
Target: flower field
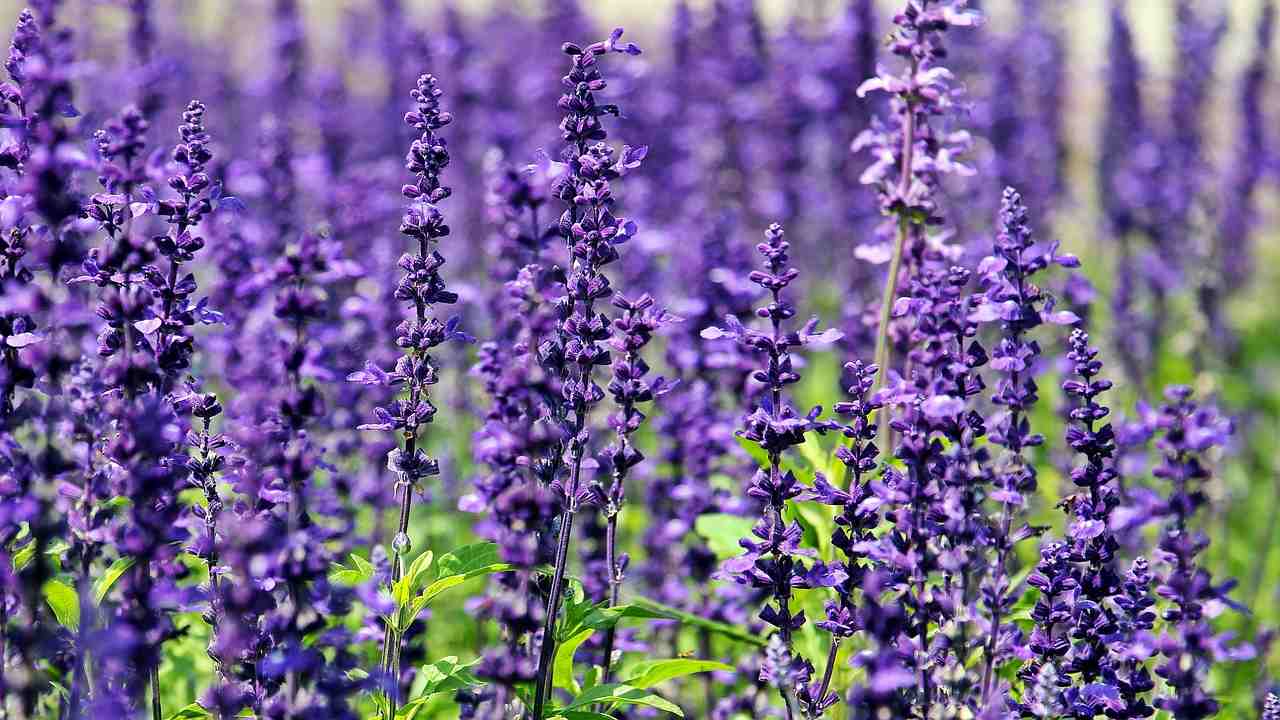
(817,360)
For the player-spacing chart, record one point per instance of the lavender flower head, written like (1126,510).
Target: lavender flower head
(912,156)
(772,558)
(1188,431)
(423,287)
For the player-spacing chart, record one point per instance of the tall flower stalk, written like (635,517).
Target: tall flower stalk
(630,387)
(771,561)
(858,515)
(592,233)
(910,158)
(1011,297)
(1188,431)
(423,287)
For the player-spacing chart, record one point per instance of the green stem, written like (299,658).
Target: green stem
(886,316)
(882,356)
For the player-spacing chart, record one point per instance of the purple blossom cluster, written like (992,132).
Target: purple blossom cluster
(247,447)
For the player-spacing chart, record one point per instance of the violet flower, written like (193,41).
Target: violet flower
(1133,643)
(1011,297)
(1091,541)
(772,558)
(592,233)
(911,157)
(421,285)
(629,387)
(172,344)
(1187,432)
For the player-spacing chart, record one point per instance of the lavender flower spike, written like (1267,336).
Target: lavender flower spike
(629,388)
(911,157)
(771,561)
(592,232)
(423,287)
(1190,645)
(1011,298)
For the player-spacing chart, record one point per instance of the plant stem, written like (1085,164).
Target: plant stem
(615,584)
(831,666)
(882,351)
(992,639)
(547,653)
(156,712)
(392,638)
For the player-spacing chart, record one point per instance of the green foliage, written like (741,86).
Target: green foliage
(725,630)
(655,672)
(64,602)
(108,580)
(722,532)
(412,593)
(358,572)
(194,711)
(612,695)
(446,675)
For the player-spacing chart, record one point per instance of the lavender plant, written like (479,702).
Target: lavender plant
(417,336)
(911,155)
(771,560)
(592,232)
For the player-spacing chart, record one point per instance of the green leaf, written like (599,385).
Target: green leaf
(64,601)
(360,571)
(448,675)
(22,558)
(562,675)
(576,609)
(102,586)
(452,581)
(411,709)
(814,455)
(620,694)
(192,712)
(731,632)
(655,672)
(722,532)
(817,522)
(465,563)
(471,561)
(445,675)
(582,715)
(408,585)
(602,618)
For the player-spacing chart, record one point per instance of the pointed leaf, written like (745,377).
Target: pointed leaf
(722,532)
(468,559)
(562,675)
(619,694)
(64,602)
(726,630)
(194,711)
(108,580)
(654,672)
(448,675)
